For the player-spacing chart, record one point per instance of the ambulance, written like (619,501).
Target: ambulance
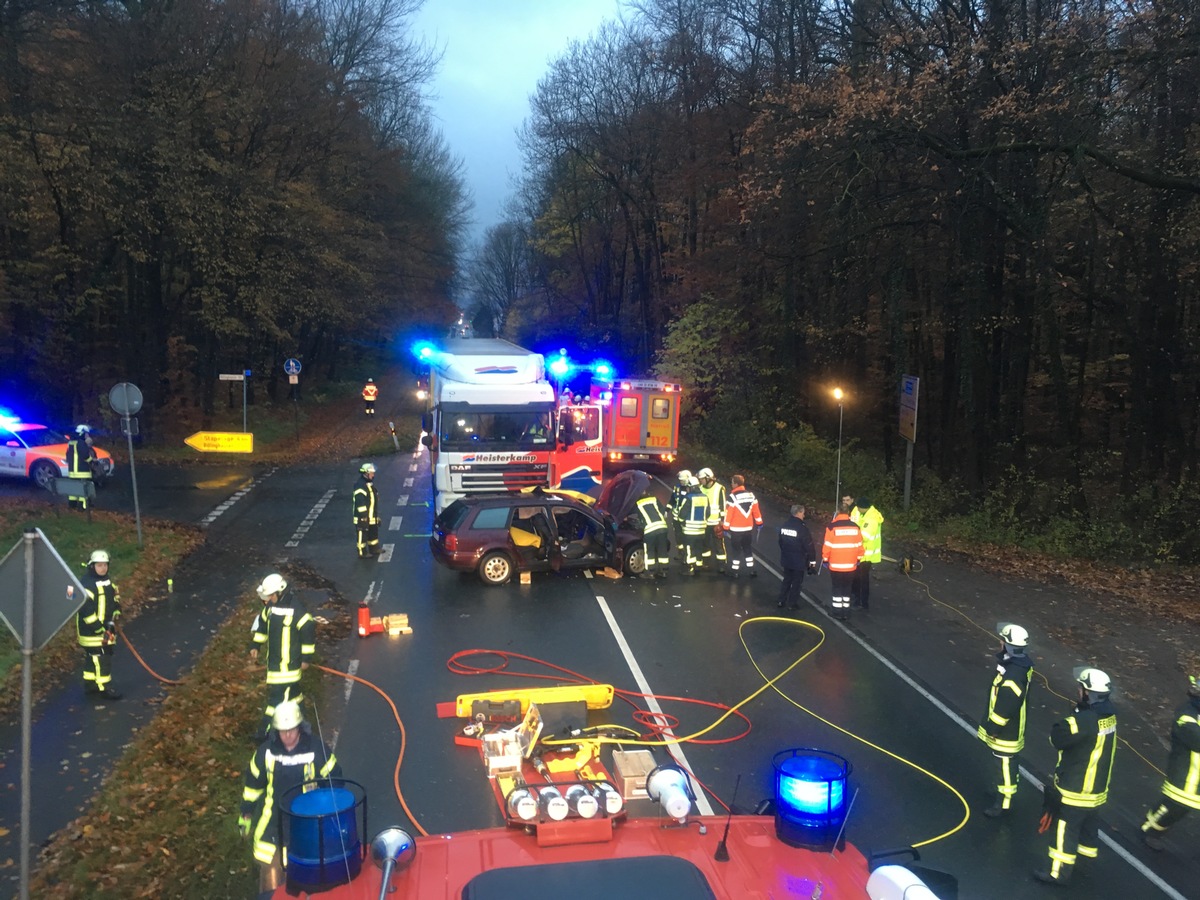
(641,422)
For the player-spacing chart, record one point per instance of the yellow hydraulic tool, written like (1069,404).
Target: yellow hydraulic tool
(597,696)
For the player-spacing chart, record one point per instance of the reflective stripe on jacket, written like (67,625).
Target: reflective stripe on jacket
(1183,765)
(741,510)
(843,544)
(652,515)
(871,523)
(370,392)
(1086,742)
(715,493)
(363,500)
(101,605)
(1003,728)
(695,512)
(291,639)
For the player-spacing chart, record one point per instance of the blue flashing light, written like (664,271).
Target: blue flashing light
(423,350)
(601,369)
(7,418)
(810,796)
(559,366)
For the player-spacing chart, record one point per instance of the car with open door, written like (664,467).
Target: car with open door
(498,535)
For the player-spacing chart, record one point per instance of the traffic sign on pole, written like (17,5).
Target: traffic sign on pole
(291,367)
(236,376)
(221,442)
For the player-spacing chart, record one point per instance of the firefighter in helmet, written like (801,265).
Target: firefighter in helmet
(1181,789)
(80,458)
(1003,726)
(290,756)
(366,512)
(1086,742)
(96,626)
(370,394)
(678,492)
(714,553)
(694,521)
(656,546)
(288,634)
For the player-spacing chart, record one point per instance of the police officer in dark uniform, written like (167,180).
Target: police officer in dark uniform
(1003,726)
(1086,742)
(797,555)
(1181,789)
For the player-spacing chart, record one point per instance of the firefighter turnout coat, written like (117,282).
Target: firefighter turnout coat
(290,635)
(101,606)
(365,502)
(273,771)
(1183,763)
(1086,742)
(1003,728)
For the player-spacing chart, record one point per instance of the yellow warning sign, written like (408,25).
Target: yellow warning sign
(221,441)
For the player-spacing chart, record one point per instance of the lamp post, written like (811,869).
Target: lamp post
(838,394)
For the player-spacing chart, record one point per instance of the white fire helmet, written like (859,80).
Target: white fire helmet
(287,716)
(272,584)
(1094,681)
(98,556)
(693,481)
(83,429)
(367,468)
(685,476)
(1012,634)
(705,473)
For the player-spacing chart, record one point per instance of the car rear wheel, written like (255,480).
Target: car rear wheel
(43,474)
(496,568)
(635,559)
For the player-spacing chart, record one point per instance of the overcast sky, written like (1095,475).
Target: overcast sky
(495,52)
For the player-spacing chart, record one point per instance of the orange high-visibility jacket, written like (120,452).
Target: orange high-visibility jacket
(370,391)
(843,548)
(741,510)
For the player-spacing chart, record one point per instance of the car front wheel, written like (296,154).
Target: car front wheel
(496,568)
(43,474)
(635,559)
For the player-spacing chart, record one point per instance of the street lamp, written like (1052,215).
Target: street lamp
(838,394)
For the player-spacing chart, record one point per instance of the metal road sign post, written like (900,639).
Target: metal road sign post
(126,401)
(243,377)
(291,368)
(910,386)
(34,608)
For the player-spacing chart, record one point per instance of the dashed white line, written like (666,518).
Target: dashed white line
(408,482)
(394,523)
(228,502)
(385,555)
(303,528)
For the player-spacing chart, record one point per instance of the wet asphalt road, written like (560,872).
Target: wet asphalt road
(910,676)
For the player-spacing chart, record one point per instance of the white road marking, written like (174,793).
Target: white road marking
(413,467)
(385,555)
(966,726)
(218,510)
(408,482)
(394,523)
(702,803)
(303,528)
(402,500)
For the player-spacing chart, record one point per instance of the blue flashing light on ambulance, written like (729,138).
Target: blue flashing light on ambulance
(494,423)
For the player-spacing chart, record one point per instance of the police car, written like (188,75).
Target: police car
(39,453)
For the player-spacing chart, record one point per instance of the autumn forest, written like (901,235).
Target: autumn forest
(759,198)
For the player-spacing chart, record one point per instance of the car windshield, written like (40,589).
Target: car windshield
(40,437)
(495,431)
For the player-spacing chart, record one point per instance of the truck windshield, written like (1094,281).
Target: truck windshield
(495,431)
